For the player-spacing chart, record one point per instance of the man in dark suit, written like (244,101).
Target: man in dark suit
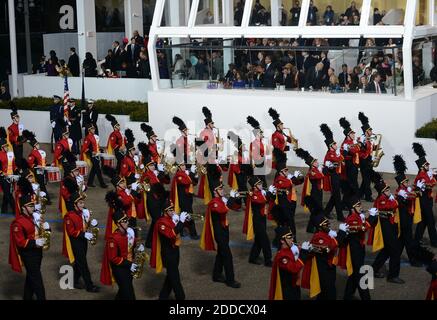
(116,59)
(305,62)
(269,74)
(133,52)
(90,116)
(287,79)
(143,67)
(315,78)
(57,117)
(343,77)
(376,85)
(139,40)
(73,63)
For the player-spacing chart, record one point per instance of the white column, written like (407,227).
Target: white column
(228,19)
(228,12)
(365,13)
(157,17)
(216,12)
(410,20)
(176,18)
(133,17)
(86,28)
(305,6)
(13,46)
(432,17)
(275,14)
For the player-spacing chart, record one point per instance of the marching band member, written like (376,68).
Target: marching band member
(287,265)
(350,149)
(353,250)
(255,221)
(216,228)
(426,181)
(319,273)
(15,133)
(333,163)
(25,185)
(128,167)
(314,177)
(116,141)
(7,168)
(153,138)
(165,250)
(182,146)
(409,209)
(72,182)
(208,138)
(280,140)
(119,255)
(182,194)
(63,146)
(25,248)
(366,161)
(384,231)
(75,244)
(37,161)
(90,154)
(257,151)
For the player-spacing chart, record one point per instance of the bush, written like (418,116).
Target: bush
(138,111)
(429,130)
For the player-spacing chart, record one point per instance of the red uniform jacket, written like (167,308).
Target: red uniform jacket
(7,163)
(323,239)
(23,234)
(209,137)
(429,182)
(279,141)
(181,178)
(35,159)
(411,199)
(316,177)
(153,148)
(364,154)
(353,153)
(115,140)
(383,203)
(60,148)
(338,161)
(74,224)
(127,167)
(14,134)
(217,207)
(284,184)
(165,227)
(257,152)
(89,146)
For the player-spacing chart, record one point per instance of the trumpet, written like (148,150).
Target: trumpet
(357,229)
(319,249)
(377,152)
(201,169)
(196,217)
(92,229)
(170,168)
(294,141)
(45,234)
(145,186)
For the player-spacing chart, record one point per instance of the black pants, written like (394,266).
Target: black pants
(18,152)
(358,253)
(34,284)
(95,171)
(366,169)
(327,276)
(317,196)
(335,199)
(191,226)
(154,208)
(288,209)
(80,266)
(406,238)
(352,181)
(261,241)
(428,221)
(123,277)
(8,199)
(172,281)
(391,249)
(41,181)
(223,259)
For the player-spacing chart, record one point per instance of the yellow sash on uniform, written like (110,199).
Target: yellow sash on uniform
(378,240)
(250,233)
(207,197)
(278,289)
(349,267)
(314,279)
(417,212)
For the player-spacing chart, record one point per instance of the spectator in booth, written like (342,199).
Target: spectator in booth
(139,40)
(295,13)
(217,65)
(305,62)
(239,83)
(344,77)
(377,16)
(269,73)
(283,15)
(287,79)
(53,56)
(209,18)
(376,85)
(352,10)
(73,63)
(258,79)
(326,62)
(418,72)
(133,52)
(334,85)
(163,66)
(362,85)
(355,79)
(298,78)
(384,69)
(89,65)
(315,79)
(127,70)
(116,56)
(143,67)
(328,16)
(230,75)
(178,67)
(51,68)
(201,69)
(238,14)
(41,66)
(109,60)
(312,14)
(355,20)
(4,93)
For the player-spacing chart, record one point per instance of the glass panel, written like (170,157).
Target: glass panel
(260,14)
(330,12)
(387,12)
(207,15)
(422,14)
(175,14)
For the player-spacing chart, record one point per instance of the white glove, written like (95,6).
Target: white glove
(175,219)
(83,187)
(233,193)
(363,217)
(421,185)
(306,246)
(295,251)
(329,164)
(225,200)
(409,189)
(35,186)
(53,124)
(403,194)
(88,235)
(337,152)
(187,172)
(79,179)
(134,186)
(430,173)
(38,207)
(343,227)
(133,267)
(183,216)
(142,166)
(140,248)
(156,172)
(320,168)
(40,242)
(297,174)
(193,169)
(346,147)
(160,167)
(268,157)
(46,226)
(289,176)
(363,138)
(263,192)
(137,176)
(94,223)
(391,198)
(86,214)
(272,189)
(130,233)
(373,212)
(42,194)
(332,234)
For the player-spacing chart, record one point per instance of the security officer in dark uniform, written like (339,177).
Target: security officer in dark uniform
(90,116)
(57,118)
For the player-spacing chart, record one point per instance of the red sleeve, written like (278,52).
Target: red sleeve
(258,199)
(69,227)
(278,143)
(290,265)
(315,174)
(124,169)
(58,151)
(333,245)
(30,160)
(183,180)
(220,208)
(166,231)
(12,136)
(113,141)
(18,235)
(85,146)
(65,193)
(113,252)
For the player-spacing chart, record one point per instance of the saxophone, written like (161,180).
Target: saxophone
(140,259)
(45,234)
(92,229)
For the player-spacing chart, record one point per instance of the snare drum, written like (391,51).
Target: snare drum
(83,168)
(53,174)
(108,160)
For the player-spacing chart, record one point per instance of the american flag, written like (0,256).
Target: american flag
(66,97)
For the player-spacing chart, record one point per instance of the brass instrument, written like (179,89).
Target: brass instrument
(92,229)
(319,249)
(201,169)
(170,168)
(140,259)
(196,217)
(377,152)
(219,142)
(45,234)
(357,229)
(294,141)
(146,185)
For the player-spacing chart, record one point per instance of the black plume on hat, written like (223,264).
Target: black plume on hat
(148,130)
(30,137)
(327,133)
(399,164)
(208,115)
(130,139)
(275,116)
(364,121)
(345,124)
(253,122)
(180,123)
(14,109)
(25,186)
(305,155)
(112,173)
(111,119)
(71,185)
(419,150)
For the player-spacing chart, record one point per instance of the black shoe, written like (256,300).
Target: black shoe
(93,289)
(256,262)
(379,275)
(78,286)
(268,264)
(195,237)
(234,284)
(104,186)
(220,279)
(91,185)
(396,280)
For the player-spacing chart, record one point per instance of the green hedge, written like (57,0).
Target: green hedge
(138,111)
(429,130)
